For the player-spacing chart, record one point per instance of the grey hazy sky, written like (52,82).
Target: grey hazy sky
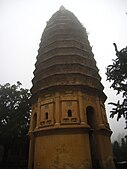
(23,21)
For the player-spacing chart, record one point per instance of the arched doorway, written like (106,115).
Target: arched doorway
(34,121)
(91,121)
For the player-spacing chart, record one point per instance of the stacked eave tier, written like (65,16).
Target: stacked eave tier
(65,57)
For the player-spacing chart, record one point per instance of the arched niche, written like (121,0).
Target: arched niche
(34,120)
(91,119)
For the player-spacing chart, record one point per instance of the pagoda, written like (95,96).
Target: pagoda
(68,127)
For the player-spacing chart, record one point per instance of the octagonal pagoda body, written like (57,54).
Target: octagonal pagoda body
(68,128)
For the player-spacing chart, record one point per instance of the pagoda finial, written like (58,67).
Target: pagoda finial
(62,8)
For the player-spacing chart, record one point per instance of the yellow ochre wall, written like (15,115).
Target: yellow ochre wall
(64,142)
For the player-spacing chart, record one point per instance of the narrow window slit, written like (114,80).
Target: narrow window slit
(46,115)
(69,113)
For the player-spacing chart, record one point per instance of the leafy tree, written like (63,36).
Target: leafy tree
(117,74)
(14,115)
(116,150)
(123,149)
(120,150)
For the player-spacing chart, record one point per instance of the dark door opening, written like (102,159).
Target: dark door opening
(34,121)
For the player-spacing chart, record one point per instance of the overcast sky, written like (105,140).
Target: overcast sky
(23,21)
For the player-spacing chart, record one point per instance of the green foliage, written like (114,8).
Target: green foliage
(116,149)
(117,74)
(120,150)
(14,123)
(14,111)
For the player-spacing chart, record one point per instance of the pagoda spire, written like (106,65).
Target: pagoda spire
(62,8)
